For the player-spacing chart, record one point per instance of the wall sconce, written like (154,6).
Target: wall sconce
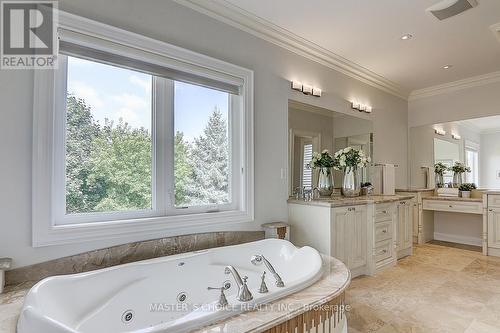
(361,107)
(440,132)
(456,136)
(306,89)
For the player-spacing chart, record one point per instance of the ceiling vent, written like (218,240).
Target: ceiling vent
(448,8)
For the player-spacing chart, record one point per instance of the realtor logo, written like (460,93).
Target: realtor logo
(29,34)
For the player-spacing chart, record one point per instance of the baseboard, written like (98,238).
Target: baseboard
(458,239)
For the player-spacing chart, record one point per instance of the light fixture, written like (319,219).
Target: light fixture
(361,107)
(316,92)
(456,136)
(439,131)
(447,66)
(307,89)
(407,37)
(296,85)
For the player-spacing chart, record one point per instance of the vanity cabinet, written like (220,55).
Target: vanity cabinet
(384,235)
(349,236)
(493,222)
(404,228)
(494,228)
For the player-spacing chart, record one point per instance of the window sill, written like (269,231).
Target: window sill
(152,227)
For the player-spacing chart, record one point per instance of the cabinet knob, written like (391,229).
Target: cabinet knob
(450,206)
(490,210)
(384,231)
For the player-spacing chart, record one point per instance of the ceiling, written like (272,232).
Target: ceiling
(368,33)
(483,125)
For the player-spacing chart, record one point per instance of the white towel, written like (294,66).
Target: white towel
(389,179)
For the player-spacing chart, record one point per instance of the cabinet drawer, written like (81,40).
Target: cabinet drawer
(383,250)
(383,231)
(493,200)
(384,212)
(454,206)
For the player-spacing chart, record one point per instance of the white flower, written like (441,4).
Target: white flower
(348,149)
(324,151)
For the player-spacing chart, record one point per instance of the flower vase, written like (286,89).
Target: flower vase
(325,182)
(351,186)
(439,180)
(457,179)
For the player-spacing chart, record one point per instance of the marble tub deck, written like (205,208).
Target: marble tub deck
(438,290)
(333,282)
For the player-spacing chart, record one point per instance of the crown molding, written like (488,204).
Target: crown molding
(237,17)
(475,81)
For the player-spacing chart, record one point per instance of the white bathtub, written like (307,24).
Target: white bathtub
(147,292)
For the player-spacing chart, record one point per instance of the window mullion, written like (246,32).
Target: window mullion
(168,142)
(163,147)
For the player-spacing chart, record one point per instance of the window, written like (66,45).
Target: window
(306,168)
(472,161)
(146,138)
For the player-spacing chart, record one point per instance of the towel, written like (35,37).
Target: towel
(389,179)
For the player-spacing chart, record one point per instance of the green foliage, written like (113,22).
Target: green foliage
(80,133)
(460,168)
(109,167)
(121,166)
(440,168)
(209,159)
(183,169)
(467,187)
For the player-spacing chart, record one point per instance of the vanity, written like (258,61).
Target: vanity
(367,233)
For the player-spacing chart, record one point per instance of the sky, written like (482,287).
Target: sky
(114,93)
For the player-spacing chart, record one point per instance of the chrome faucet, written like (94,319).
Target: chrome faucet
(244,294)
(259,259)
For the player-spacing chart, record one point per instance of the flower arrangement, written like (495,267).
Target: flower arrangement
(467,187)
(323,160)
(440,168)
(351,158)
(460,168)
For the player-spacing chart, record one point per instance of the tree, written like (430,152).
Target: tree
(210,163)
(182,170)
(80,133)
(120,167)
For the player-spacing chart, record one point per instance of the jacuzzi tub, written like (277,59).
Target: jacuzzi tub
(166,294)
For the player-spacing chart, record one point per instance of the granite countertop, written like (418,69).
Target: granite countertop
(415,190)
(335,280)
(343,201)
(443,198)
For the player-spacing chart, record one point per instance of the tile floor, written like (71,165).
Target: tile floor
(437,290)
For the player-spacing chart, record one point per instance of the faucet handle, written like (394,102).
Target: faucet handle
(263,287)
(245,278)
(222,302)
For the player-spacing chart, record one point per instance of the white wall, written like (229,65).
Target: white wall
(489,161)
(274,67)
(475,102)
(458,228)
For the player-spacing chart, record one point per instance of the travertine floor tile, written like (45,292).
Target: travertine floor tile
(437,290)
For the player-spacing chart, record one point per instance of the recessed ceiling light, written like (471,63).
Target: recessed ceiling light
(407,37)
(447,66)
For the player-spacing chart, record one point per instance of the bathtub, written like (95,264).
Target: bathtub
(167,294)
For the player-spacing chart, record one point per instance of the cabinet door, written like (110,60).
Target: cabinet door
(494,228)
(340,234)
(358,237)
(404,226)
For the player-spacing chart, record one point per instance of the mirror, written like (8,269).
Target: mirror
(474,142)
(313,129)
(447,153)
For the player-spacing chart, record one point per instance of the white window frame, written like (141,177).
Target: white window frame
(51,227)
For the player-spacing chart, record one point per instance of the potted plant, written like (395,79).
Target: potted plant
(466,188)
(349,160)
(458,171)
(324,162)
(439,170)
